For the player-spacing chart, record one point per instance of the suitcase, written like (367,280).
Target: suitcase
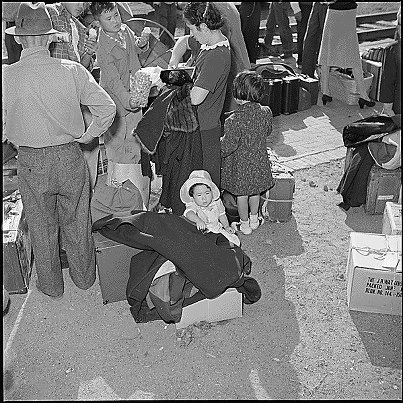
(290,95)
(277,201)
(311,85)
(17,250)
(383,185)
(273,94)
(113,265)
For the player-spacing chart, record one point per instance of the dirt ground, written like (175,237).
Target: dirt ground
(299,341)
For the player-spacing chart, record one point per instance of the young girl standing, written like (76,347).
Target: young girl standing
(246,170)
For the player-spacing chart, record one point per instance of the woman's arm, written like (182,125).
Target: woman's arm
(181,46)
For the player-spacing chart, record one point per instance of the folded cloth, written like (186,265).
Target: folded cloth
(119,201)
(369,129)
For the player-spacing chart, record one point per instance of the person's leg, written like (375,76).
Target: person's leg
(313,38)
(301,28)
(38,185)
(250,22)
(254,219)
(243,207)
(281,15)
(324,79)
(74,214)
(270,27)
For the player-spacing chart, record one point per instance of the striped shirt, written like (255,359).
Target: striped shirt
(42,97)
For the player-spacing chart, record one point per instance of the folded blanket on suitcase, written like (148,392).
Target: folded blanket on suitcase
(208,261)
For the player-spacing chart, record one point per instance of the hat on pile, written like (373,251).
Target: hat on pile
(198,176)
(32,20)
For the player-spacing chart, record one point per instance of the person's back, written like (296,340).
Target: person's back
(48,87)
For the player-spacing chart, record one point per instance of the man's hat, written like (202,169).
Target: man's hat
(198,176)
(32,20)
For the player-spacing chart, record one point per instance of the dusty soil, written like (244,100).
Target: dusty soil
(299,341)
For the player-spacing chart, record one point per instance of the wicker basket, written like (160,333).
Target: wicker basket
(344,88)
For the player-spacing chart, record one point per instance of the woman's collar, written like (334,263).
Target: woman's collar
(221,43)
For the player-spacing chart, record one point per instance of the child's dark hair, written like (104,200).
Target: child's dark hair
(192,188)
(248,86)
(97,8)
(197,13)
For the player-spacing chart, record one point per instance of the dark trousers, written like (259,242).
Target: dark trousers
(211,147)
(55,191)
(278,15)
(250,22)
(313,38)
(302,25)
(13,48)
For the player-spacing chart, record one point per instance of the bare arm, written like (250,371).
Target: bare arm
(181,46)
(192,216)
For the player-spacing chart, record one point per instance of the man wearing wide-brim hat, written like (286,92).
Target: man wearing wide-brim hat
(42,117)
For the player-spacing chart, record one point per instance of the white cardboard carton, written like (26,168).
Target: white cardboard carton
(374,273)
(392,219)
(226,306)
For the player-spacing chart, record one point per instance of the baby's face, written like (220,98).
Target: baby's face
(202,195)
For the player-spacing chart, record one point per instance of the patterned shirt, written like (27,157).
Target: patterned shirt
(62,21)
(42,97)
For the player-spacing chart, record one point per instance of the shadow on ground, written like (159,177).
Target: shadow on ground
(381,336)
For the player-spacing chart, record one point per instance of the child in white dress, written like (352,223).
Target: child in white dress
(204,206)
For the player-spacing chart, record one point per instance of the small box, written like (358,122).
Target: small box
(228,305)
(17,250)
(392,219)
(113,265)
(277,201)
(374,273)
(375,68)
(383,185)
(311,85)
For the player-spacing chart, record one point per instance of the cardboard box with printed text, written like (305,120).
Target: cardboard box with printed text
(374,273)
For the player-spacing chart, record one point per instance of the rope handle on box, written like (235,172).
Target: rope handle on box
(379,253)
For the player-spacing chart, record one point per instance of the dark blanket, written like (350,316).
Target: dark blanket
(353,184)
(206,260)
(369,129)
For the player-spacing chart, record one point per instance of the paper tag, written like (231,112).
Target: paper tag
(391,260)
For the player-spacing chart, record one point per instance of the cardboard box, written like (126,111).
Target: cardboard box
(371,286)
(277,201)
(375,68)
(392,219)
(226,306)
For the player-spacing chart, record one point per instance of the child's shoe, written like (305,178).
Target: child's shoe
(242,226)
(255,221)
